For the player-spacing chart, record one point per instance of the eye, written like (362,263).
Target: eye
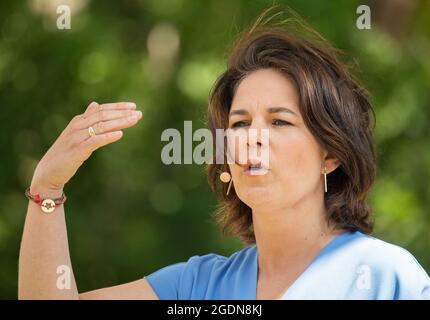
(239,124)
(278,122)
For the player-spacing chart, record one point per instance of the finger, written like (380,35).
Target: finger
(90,145)
(92,108)
(95,107)
(106,115)
(116,124)
(119,106)
(109,126)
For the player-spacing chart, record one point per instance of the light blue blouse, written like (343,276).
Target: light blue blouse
(352,266)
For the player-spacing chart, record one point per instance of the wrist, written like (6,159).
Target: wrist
(46,198)
(45,191)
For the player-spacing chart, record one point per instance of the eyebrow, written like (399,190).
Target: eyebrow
(243,112)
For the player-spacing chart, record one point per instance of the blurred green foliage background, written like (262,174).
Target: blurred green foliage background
(128,214)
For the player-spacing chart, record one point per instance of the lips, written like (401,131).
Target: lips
(255,168)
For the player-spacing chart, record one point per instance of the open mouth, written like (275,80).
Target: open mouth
(255,169)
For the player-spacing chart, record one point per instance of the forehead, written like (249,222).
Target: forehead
(265,88)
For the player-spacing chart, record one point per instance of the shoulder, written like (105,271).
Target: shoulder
(389,265)
(385,255)
(213,276)
(191,279)
(216,261)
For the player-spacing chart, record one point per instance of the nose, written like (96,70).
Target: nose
(250,143)
(257,134)
(258,142)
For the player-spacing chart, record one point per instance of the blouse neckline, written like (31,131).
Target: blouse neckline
(289,291)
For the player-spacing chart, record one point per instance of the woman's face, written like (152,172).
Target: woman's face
(266,99)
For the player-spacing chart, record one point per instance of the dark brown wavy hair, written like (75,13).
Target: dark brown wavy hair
(334,106)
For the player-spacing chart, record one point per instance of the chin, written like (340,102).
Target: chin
(255,193)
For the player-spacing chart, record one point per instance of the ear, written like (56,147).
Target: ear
(330,162)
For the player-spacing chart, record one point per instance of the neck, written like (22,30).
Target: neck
(287,234)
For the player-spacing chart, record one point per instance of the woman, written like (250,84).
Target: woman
(303,215)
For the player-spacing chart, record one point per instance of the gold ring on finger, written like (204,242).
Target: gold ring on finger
(91,131)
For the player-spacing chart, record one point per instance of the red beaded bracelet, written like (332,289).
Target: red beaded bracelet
(46,204)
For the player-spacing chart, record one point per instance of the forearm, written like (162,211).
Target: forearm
(44,261)
(44,252)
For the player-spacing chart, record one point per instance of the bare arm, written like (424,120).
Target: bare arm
(136,290)
(45,268)
(44,248)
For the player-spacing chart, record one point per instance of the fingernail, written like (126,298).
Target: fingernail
(131,104)
(136,115)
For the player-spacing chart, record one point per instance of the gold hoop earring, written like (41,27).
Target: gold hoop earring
(226,177)
(325,179)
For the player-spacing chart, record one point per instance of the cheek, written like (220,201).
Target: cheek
(296,154)
(235,171)
(237,150)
